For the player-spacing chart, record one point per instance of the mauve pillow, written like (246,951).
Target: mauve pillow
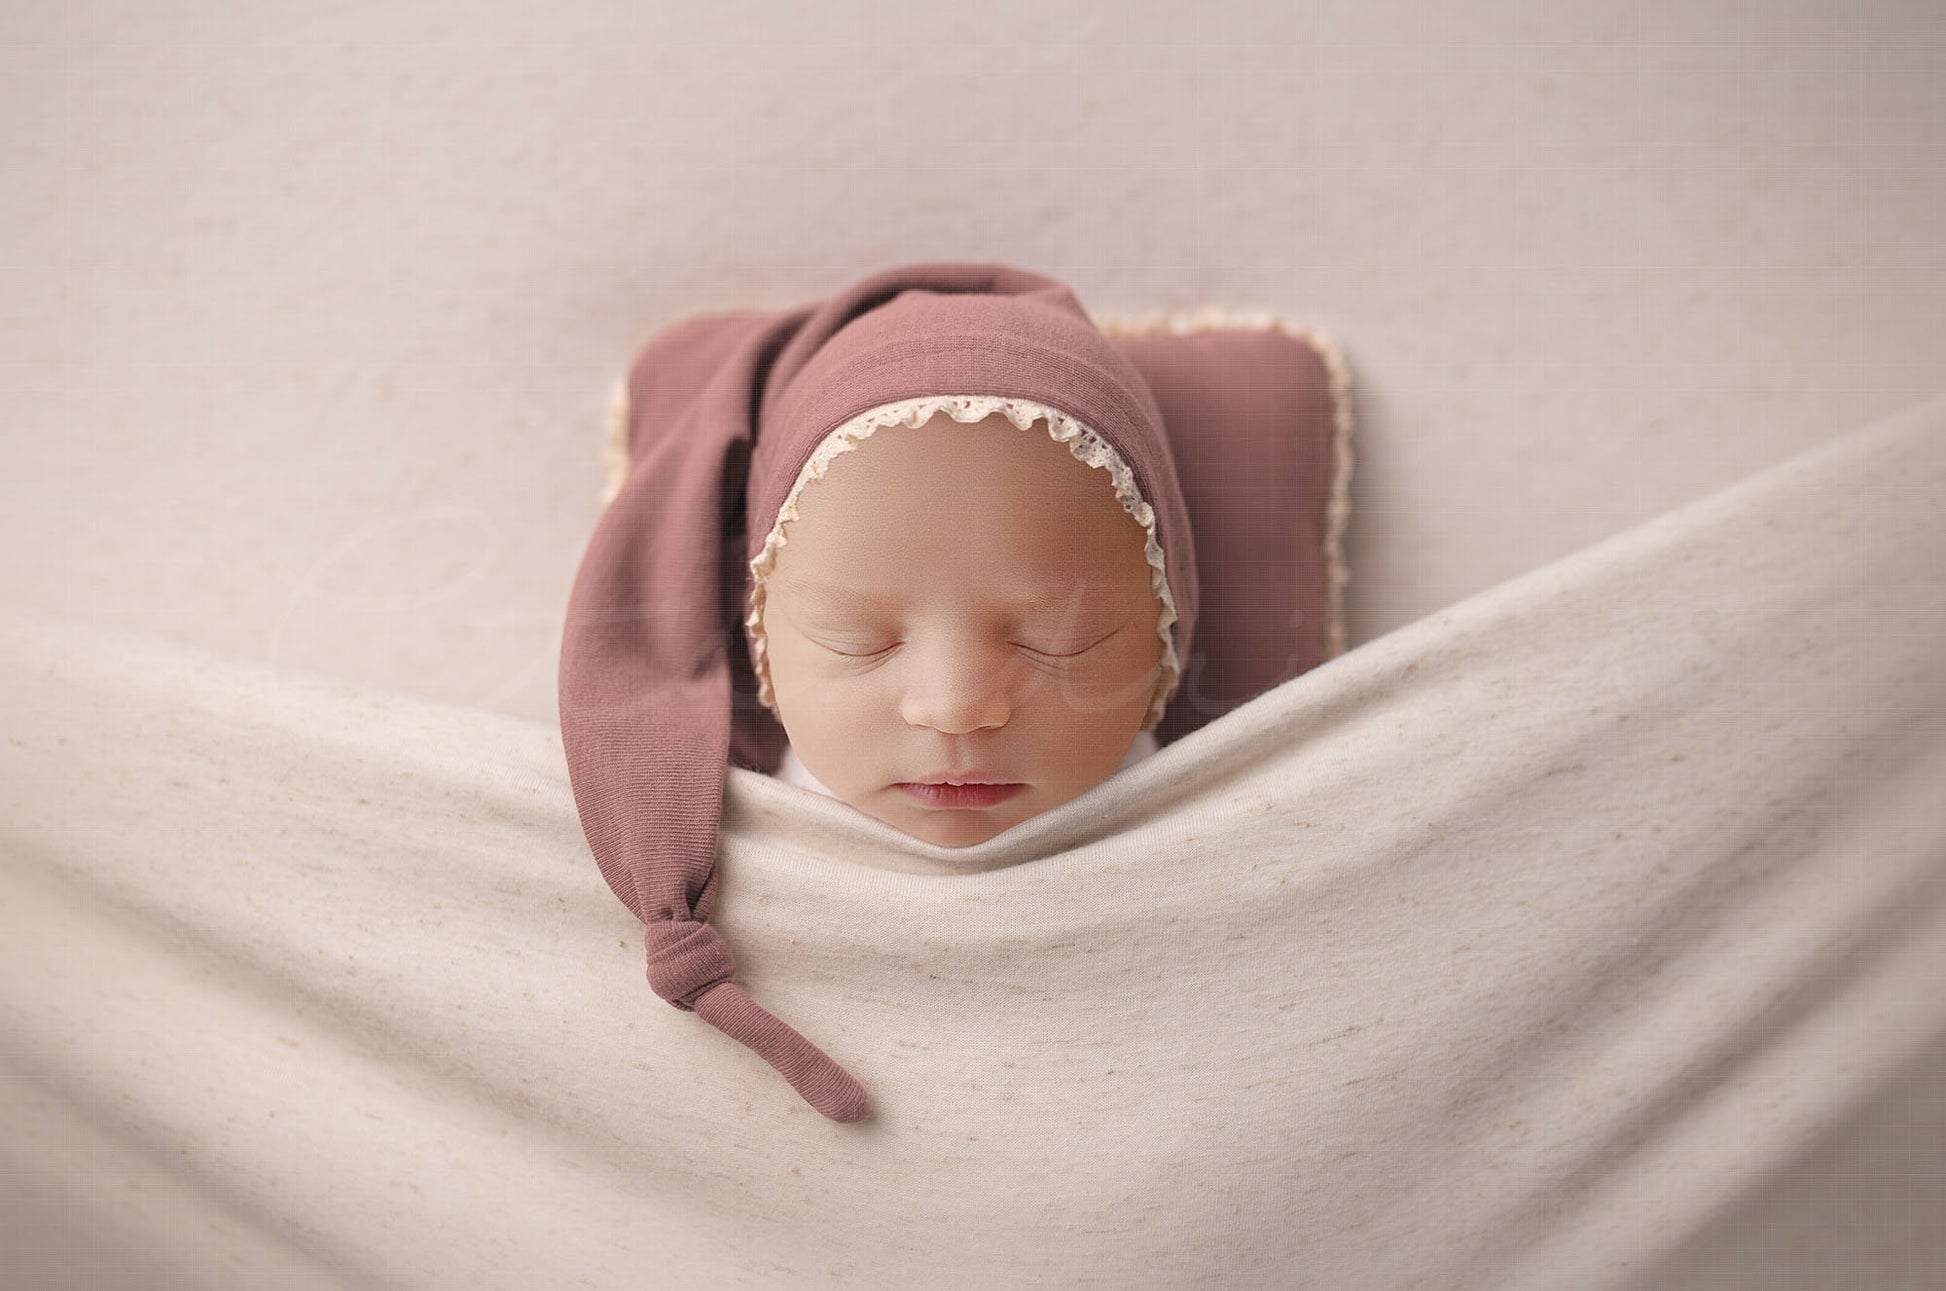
(1258,414)
(1259,419)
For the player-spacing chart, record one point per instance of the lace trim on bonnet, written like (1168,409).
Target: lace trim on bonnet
(1083,441)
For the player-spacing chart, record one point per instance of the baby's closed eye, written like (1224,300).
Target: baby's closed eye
(1072,651)
(1046,649)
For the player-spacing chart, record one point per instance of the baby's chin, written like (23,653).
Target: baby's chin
(951,827)
(958,832)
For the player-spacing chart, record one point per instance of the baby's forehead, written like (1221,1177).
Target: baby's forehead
(983,473)
(987,511)
(833,589)
(993,448)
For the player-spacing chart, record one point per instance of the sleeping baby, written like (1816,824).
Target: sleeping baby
(959,629)
(921,545)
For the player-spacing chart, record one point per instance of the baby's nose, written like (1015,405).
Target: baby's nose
(961,689)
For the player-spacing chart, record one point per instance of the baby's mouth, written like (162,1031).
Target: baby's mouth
(968,794)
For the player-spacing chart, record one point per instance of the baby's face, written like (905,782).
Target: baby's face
(962,600)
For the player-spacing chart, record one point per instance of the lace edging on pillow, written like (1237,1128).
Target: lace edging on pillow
(614,440)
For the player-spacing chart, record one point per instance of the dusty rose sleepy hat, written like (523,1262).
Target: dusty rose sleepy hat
(662,649)
(1011,344)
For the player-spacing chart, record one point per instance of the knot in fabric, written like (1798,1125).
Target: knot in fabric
(686,958)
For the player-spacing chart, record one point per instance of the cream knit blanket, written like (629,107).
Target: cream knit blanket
(1500,952)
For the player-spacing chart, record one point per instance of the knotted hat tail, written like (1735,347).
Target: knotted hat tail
(691,967)
(646,679)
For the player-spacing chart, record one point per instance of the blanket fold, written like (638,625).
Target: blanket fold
(1506,950)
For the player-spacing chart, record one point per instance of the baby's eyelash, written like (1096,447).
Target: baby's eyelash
(1052,654)
(1045,654)
(1075,654)
(846,654)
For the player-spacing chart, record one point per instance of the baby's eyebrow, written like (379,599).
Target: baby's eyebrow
(850,598)
(812,589)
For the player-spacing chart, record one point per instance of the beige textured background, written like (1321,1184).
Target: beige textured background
(311,309)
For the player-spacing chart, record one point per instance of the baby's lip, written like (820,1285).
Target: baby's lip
(962,777)
(972,796)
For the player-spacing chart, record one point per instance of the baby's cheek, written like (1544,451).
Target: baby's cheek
(1110,687)
(826,718)
(789,685)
